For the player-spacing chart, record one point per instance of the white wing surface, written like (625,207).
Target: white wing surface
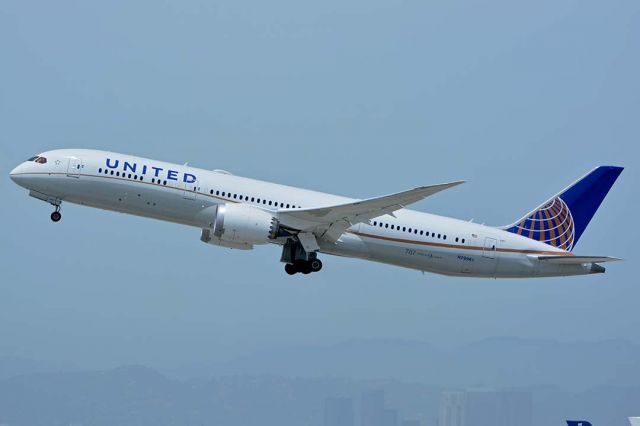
(330,222)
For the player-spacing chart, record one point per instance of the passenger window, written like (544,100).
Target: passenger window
(386,225)
(287,205)
(463,241)
(404,229)
(270,202)
(444,237)
(456,239)
(100,170)
(375,223)
(438,236)
(164,183)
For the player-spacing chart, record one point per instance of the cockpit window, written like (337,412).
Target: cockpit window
(32,158)
(41,160)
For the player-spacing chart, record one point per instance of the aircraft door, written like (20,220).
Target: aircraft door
(75,167)
(191,190)
(490,247)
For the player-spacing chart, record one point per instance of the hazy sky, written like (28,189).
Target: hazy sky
(359,98)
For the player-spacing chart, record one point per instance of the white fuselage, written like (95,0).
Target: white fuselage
(186,195)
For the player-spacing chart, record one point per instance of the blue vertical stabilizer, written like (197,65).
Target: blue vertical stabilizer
(561,220)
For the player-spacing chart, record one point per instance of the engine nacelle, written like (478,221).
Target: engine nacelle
(241,227)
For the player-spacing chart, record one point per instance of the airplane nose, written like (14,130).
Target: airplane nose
(15,174)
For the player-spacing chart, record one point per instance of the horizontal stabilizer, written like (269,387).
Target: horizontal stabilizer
(576,260)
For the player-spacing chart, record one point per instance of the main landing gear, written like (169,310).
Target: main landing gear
(56,215)
(303,266)
(298,260)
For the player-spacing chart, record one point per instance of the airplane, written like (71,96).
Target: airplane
(239,213)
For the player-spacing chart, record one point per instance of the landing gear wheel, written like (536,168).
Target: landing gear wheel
(290,269)
(56,216)
(302,266)
(315,265)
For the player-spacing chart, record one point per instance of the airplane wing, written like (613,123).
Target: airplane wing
(576,260)
(330,222)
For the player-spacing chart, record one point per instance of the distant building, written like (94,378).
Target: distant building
(372,408)
(515,408)
(481,408)
(486,408)
(389,418)
(338,412)
(452,406)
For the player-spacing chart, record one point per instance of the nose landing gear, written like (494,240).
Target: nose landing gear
(56,215)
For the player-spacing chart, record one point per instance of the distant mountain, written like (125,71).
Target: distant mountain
(12,366)
(126,395)
(496,362)
(136,395)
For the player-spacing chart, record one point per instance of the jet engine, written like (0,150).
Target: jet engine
(241,227)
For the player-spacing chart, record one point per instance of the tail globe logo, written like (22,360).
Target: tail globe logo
(551,224)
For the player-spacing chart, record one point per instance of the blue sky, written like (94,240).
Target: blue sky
(359,99)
